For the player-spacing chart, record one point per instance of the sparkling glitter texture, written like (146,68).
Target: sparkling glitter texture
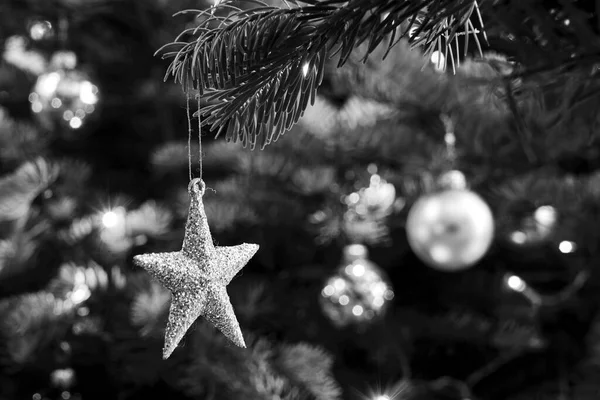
(197,276)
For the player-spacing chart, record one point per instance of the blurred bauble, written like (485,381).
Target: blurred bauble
(358,292)
(63,96)
(450,230)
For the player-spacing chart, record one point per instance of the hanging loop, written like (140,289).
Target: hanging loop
(197,185)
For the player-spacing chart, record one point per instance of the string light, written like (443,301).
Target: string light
(111,218)
(515,283)
(567,246)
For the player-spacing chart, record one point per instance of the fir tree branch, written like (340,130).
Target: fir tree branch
(260,67)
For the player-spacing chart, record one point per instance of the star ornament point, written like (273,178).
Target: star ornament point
(197,277)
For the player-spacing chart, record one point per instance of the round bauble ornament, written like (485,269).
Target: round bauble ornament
(358,292)
(450,230)
(63,96)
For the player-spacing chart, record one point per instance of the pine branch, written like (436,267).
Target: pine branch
(262,66)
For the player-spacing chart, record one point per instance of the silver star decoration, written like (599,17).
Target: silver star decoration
(197,276)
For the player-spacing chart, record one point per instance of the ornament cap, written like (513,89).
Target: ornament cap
(197,185)
(452,180)
(355,251)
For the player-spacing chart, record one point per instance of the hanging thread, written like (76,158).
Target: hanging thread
(449,137)
(189,120)
(199,139)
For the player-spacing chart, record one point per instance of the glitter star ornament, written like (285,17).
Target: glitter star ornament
(197,276)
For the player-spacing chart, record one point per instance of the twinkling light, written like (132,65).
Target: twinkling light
(545,215)
(75,123)
(328,290)
(353,198)
(567,246)
(358,270)
(381,397)
(357,310)
(109,219)
(515,283)
(80,294)
(518,237)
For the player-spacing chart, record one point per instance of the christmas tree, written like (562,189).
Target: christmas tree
(415,184)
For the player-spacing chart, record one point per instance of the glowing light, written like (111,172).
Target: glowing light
(353,198)
(515,283)
(36,107)
(339,284)
(567,246)
(305,69)
(379,289)
(357,310)
(48,84)
(87,93)
(375,180)
(439,60)
(344,300)
(110,219)
(83,311)
(328,291)
(68,115)
(358,270)
(545,215)
(518,237)
(75,123)
(389,294)
(450,139)
(381,397)
(378,302)
(81,294)
(56,102)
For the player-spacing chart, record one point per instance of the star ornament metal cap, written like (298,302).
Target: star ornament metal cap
(197,276)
